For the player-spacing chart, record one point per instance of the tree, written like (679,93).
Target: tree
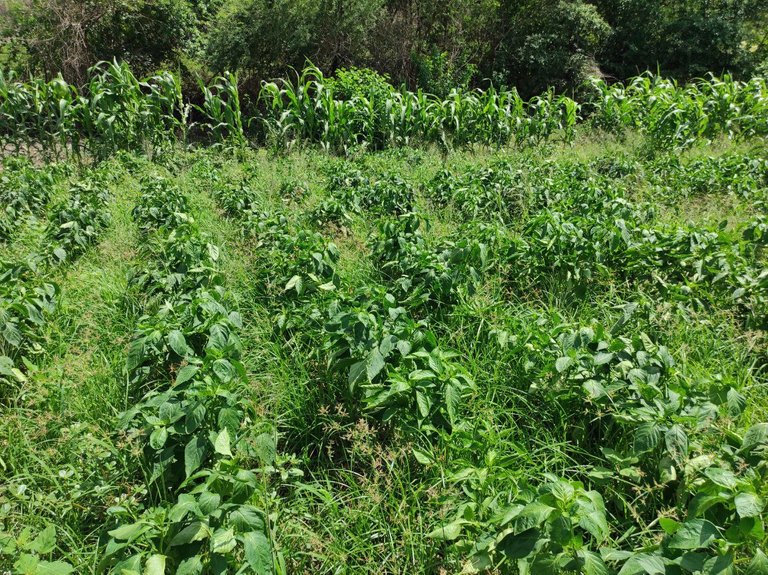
(549,44)
(69,36)
(684,39)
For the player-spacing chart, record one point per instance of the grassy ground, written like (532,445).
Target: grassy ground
(348,494)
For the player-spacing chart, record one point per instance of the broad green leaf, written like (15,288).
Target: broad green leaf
(479,563)
(736,403)
(224,370)
(247,518)
(178,343)
(190,566)
(694,534)
(756,435)
(758,565)
(643,564)
(603,358)
(258,552)
(521,545)
(374,364)
(45,542)
(452,401)
(196,531)
(596,524)
(595,389)
(722,477)
(54,568)
(186,373)
(26,564)
(129,566)
(158,438)
(295,283)
(647,437)
(8,369)
(356,373)
(135,355)
(128,532)
(532,515)
(421,375)
(748,505)
(676,440)
(447,532)
(155,565)
(222,443)
(194,418)
(208,502)
(194,454)
(563,363)
(223,541)
(184,506)
(265,447)
(720,565)
(592,563)
(693,561)
(667,471)
(423,403)
(422,456)
(670,526)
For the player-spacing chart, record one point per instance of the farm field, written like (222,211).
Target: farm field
(462,356)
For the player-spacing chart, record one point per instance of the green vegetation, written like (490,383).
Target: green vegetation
(412,333)
(529,44)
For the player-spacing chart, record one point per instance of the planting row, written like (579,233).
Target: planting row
(116,111)
(674,466)
(201,452)
(568,225)
(28,293)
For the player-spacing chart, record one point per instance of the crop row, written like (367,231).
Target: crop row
(394,368)
(27,295)
(195,428)
(659,431)
(25,190)
(580,229)
(653,425)
(679,115)
(117,111)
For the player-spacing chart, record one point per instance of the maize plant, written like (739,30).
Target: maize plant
(117,111)
(221,108)
(677,116)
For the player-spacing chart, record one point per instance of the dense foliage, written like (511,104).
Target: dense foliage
(529,44)
(485,334)
(359,109)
